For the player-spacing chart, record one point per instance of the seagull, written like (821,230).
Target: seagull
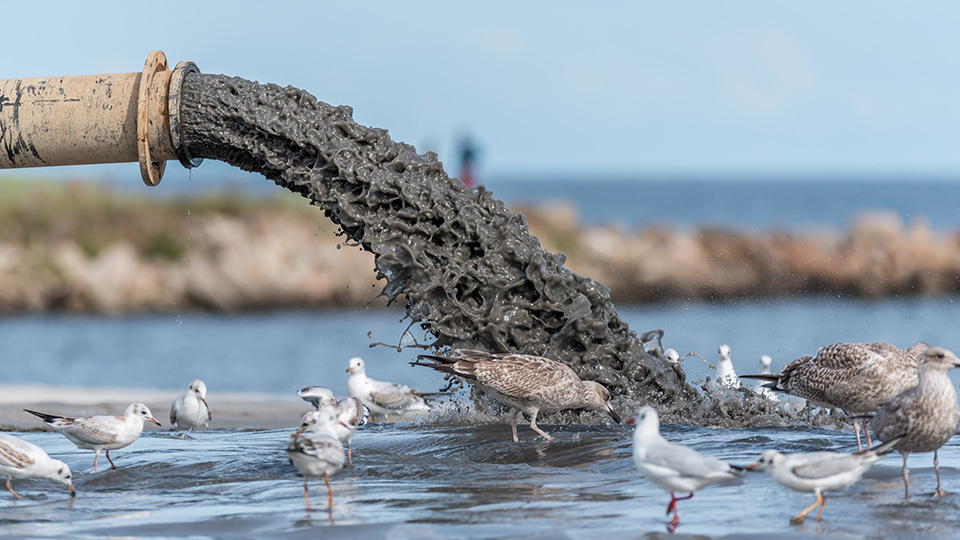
(351,413)
(22,459)
(855,377)
(765,362)
(674,467)
(726,376)
(818,471)
(383,398)
(527,383)
(190,410)
(317,396)
(315,450)
(924,417)
(101,432)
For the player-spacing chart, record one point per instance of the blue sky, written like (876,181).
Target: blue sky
(560,88)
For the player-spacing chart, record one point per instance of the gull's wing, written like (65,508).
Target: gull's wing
(14,453)
(318,445)
(395,399)
(91,430)
(826,465)
(686,461)
(175,409)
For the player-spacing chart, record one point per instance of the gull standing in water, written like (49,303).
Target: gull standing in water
(22,459)
(818,471)
(382,398)
(315,450)
(726,375)
(190,410)
(674,467)
(527,383)
(924,417)
(766,362)
(855,377)
(101,432)
(351,413)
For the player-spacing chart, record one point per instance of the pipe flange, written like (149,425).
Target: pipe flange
(151,171)
(174,107)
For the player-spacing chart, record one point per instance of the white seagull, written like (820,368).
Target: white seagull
(726,376)
(101,432)
(315,449)
(22,459)
(674,467)
(190,410)
(351,413)
(765,364)
(817,472)
(382,398)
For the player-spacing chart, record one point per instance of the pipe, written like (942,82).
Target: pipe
(114,118)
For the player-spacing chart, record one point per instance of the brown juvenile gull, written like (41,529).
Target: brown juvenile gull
(925,416)
(527,383)
(855,377)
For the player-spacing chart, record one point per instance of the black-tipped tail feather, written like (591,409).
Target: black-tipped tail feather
(46,417)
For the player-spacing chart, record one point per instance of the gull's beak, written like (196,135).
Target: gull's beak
(154,420)
(349,369)
(205,404)
(751,467)
(73,492)
(613,414)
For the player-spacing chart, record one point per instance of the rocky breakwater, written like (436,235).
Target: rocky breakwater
(878,256)
(87,250)
(112,254)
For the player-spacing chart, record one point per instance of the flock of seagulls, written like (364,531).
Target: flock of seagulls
(903,395)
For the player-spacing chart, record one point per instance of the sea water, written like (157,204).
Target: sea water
(456,474)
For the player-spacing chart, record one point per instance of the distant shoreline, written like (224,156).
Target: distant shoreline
(82,248)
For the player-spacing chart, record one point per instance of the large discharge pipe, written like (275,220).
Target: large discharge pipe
(113,118)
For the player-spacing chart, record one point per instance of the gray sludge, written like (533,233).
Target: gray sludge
(469,271)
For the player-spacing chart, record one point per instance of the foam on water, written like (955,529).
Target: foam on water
(467,269)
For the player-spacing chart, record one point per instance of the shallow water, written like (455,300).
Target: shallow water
(283,351)
(451,476)
(434,479)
